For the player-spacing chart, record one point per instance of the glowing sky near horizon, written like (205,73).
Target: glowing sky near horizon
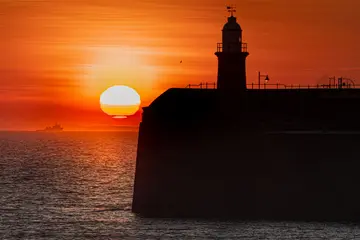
(58,56)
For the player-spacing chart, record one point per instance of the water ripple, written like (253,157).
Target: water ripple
(79,186)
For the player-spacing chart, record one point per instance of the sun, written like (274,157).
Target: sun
(120,101)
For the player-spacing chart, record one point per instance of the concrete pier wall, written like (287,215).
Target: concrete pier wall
(274,155)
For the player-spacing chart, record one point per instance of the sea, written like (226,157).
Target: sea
(78,185)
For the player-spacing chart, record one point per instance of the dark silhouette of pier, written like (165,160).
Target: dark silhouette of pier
(234,150)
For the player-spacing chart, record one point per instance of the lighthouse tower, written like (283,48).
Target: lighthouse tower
(231,53)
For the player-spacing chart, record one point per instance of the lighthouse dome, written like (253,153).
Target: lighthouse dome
(231,24)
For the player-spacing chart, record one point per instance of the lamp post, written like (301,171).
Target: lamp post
(266,79)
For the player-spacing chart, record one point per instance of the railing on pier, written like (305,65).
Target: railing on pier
(299,86)
(213,85)
(235,47)
(202,85)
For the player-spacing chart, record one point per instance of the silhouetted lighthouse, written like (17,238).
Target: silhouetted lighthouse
(231,53)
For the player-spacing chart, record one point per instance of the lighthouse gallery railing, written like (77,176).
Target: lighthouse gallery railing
(243,47)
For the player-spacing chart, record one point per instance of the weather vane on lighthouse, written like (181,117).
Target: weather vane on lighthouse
(231,10)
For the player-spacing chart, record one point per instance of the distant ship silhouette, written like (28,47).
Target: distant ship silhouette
(55,128)
(250,151)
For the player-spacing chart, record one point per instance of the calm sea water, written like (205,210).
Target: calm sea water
(79,186)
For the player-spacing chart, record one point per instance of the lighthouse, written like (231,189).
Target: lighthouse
(231,53)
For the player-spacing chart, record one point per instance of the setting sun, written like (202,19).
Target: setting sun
(120,101)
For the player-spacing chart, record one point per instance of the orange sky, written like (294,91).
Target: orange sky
(57,56)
